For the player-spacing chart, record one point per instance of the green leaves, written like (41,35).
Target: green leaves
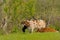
(26,9)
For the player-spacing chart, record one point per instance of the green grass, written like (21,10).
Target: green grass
(31,36)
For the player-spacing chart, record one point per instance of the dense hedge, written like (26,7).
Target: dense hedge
(19,10)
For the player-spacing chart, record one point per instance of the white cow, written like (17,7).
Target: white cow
(34,24)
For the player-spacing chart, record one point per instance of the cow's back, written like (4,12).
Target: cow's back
(41,24)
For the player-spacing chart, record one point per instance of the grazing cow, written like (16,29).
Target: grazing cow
(47,29)
(33,24)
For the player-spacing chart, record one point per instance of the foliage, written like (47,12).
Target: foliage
(19,10)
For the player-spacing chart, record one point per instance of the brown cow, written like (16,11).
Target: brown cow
(47,29)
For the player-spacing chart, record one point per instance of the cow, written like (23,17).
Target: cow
(47,29)
(33,24)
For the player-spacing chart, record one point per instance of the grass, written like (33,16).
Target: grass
(31,36)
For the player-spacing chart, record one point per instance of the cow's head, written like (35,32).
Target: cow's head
(25,24)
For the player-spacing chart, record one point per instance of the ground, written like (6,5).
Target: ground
(31,36)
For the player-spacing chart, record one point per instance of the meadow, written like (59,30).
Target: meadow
(13,12)
(31,36)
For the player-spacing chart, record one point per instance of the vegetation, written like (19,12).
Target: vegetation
(33,36)
(12,12)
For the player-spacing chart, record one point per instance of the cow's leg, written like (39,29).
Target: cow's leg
(31,30)
(23,29)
